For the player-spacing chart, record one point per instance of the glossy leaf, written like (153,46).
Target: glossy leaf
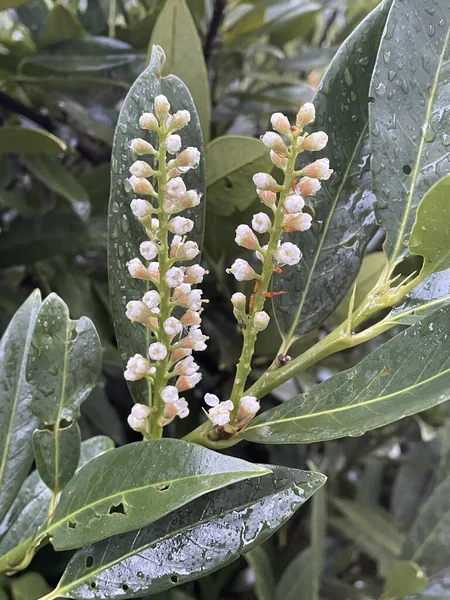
(427,542)
(58,179)
(409,123)
(263,574)
(16,420)
(209,533)
(19,140)
(431,231)
(344,221)
(30,507)
(428,296)
(63,367)
(89,54)
(176,33)
(231,162)
(384,387)
(156,478)
(125,232)
(30,586)
(403,579)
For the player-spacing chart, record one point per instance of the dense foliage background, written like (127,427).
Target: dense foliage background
(65,69)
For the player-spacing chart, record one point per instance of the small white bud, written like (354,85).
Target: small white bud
(261,320)
(174,277)
(187,382)
(190,157)
(173,143)
(194,274)
(141,169)
(169,394)
(148,121)
(315,141)
(242,270)
(140,411)
(264,181)
(141,208)
(180,119)
(307,186)
(268,197)
(137,269)
(148,250)
(306,115)
(183,250)
(278,160)
(137,368)
(176,187)
(180,225)
(136,424)
(297,222)
(287,254)
(211,400)
(182,408)
(280,123)
(162,107)
(191,318)
(319,169)
(157,351)
(246,238)
(239,301)
(140,146)
(220,413)
(153,271)
(274,142)
(186,367)
(248,407)
(261,223)
(172,326)
(137,311)
(141,186)
(293,203)
(151,299)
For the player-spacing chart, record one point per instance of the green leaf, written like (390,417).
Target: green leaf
(334,247)
(264,579)
(86,55)
(63,367)
(30,586)
(335,589)
(431,231)
(29,510)
(295,582)
(318,539)
(58,179)
(428,296)
(19,140)
(231,162)
(16,420)
(403,579)
(176,33)
(409,122)
(427,542)
(62,24)
(96,503)
(408,374)
(5,4)
(125,232)
(209,533)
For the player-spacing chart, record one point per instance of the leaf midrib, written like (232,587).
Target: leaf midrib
(352,406)
(406,213)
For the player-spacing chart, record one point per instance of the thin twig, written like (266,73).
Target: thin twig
(214,25)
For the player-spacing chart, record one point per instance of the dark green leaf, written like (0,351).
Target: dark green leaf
(156,478)
(176,33)
(5,4)
(318,539)
(88,54)
(403,579)
(125,232)
(207,534)
(428,541)
(62,24)
(63,367)
(431,231)
(19,140)
(344,223)
(29,510)
(30,586)
(408,374)
(262,569)
(58,179)
(295,582)
(16,420)
(409,121)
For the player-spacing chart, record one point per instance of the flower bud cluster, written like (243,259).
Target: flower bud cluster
(219,412)
(171,309)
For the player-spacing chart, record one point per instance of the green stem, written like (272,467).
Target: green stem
(250,332)
(112,19)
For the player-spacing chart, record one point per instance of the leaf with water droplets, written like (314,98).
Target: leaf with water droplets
(408,117)
(344,221)
(63,367)
(408,374)
(124,231)
(16,419)
(203,536)
(156,477)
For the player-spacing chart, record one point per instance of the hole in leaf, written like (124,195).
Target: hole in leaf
(371,99)
(93,585)
(71,524)
(124,587)
(174,578)
(89,561)
(228,184)
(63,424)
(409,265)
(350,242)
(119,509)
(406,169)
(162,488)
(73,334)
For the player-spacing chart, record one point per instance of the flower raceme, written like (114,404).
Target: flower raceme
(173,337)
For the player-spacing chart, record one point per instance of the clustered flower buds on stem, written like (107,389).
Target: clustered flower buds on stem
(285,202)
(170,309)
